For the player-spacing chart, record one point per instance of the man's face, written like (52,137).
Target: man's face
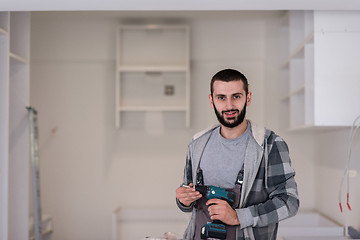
(229,101)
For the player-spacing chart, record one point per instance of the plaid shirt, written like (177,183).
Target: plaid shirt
(269,191)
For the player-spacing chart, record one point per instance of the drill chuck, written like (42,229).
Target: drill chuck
(216,192)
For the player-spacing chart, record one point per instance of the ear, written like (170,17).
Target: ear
(248,98)
(211,101)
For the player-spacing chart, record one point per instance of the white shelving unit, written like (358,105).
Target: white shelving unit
(14,137)
(153,70)
(320,76)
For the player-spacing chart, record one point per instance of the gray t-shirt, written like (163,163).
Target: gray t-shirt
(223,158)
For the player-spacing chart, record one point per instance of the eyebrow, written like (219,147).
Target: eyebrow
(222,95)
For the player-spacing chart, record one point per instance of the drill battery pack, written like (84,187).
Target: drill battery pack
(213,230)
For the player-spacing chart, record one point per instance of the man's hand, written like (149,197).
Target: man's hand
(221,210)
(187,195)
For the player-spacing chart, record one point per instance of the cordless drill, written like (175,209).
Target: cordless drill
(215,229)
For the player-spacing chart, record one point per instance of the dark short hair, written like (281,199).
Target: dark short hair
(228,75)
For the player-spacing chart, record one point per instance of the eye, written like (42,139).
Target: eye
(237,96)
(220,97)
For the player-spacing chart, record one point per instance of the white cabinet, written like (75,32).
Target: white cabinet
(14,136)
(320,73)
(152,73)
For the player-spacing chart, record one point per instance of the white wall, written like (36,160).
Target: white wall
(331,155)
(87,167)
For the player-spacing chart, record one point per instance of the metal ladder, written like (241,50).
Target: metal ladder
(35,172)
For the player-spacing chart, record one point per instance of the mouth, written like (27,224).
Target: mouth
(230,114)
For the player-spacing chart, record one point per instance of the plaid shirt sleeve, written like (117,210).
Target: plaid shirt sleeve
(273,196)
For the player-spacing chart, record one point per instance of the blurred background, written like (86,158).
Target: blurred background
(95,158)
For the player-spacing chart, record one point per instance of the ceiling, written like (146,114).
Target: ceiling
(176,5)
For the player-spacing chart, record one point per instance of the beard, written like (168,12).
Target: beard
(238,119)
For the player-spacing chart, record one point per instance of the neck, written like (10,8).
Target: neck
(231,133)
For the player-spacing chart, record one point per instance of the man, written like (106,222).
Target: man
(240,156)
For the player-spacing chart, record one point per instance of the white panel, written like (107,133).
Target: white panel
(18,195)
(14,96)
(337,21)
(309,84)
(18,152)
(4,127)
(337,78)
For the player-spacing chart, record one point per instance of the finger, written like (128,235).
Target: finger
(188,199)
(190,195)
(213,201)
(185,190)
(215,216)
(191,185)
(182,194)
(188,188)
(180,191)
(195,195)
(215,209)
(191,190)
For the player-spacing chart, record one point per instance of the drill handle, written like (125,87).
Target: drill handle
(218,222)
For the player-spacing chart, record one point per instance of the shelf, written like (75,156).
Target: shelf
(152,27)
(145,68)
(321,53)
(299,51)
(286,98)
(150,59)
(3,32)
(17,59)
(152,108)
(308,39)
(312,128)
(299,90)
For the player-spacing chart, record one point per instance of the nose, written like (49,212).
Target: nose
(229,103)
